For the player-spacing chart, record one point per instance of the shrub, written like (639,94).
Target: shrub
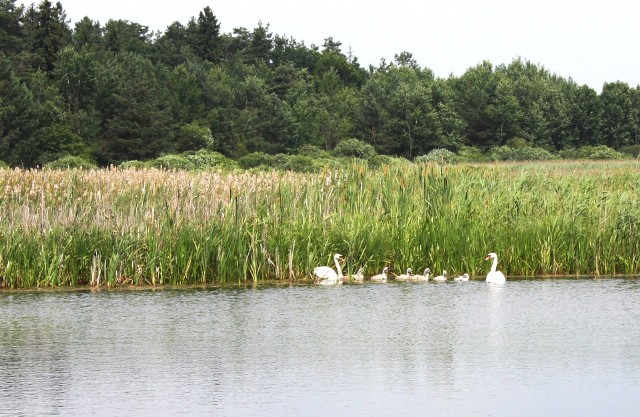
(192,137)
(207,160)
(471,154)
(256,159)
(632,150)
(313,151)
(57,142)
(439,156)
(134,164)
(177,162)
(385,160)
(354,148)
(300,163)
(3,165)
(592,152)
(518,143)
(507,153)
(604,152)
(69,162)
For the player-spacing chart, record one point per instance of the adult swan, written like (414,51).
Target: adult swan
(327,275)
(493,275)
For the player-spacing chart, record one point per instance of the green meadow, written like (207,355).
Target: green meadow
(117,227)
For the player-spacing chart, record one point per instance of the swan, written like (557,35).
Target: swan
(381,277)
(493,275)
(358,276)
(463,277)
(327,275)
(441,278)
(424,277)
(405,277)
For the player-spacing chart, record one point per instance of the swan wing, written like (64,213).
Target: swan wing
(325,272)
(495,276)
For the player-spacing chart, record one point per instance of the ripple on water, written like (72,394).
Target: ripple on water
(528,347)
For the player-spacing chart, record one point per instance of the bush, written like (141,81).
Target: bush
(192,137)
(592,152)
(604,152)
(313,151)
(177,162)
(439,156)
(70,162)
(632,150)
(471,154)
(256,159)
(299,163)
(507,153)
(518,143)
(57,142)
(132,165)
(207,160)
(3,165)
(354,148)
(385,160)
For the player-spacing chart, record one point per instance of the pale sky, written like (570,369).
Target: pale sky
(590,41)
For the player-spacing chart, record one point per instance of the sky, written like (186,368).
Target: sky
(591,42)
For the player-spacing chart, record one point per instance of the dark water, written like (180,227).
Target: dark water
(527,348)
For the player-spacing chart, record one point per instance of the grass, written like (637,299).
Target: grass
(152,227)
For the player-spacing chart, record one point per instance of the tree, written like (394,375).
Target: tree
(333,60)
(87,34)
(136,121)
(51,34)
(125,36)
(193,137)
(405,59)
(326,118)
(204,35)
(474,93)
(170,48)
(619,116)
(585,116)
(11,33)
(75,76)
(19,117)
(186,94)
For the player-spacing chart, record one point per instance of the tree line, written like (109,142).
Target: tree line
(119,92)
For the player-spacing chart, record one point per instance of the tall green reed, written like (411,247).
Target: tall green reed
(150,227)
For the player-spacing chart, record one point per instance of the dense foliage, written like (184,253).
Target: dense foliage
(118,92)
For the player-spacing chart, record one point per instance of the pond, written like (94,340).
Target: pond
(562,347)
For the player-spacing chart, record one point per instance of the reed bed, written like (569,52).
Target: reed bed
(152,227)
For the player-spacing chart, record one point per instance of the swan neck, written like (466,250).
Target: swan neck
(495,264)
(338,268)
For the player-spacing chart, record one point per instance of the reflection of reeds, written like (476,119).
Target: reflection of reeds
(115,227)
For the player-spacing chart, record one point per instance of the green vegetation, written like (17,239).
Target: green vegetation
(114,92)
(148,226)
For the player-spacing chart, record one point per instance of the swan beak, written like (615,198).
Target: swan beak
(486,258)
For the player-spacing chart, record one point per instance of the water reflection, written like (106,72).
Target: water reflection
(521,348)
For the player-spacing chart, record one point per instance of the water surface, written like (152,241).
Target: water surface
(526,348)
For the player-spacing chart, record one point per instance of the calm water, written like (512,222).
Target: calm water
(527,348)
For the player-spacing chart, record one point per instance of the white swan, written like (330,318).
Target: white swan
(424,277)
(358,276)
(405,277)
(441,278)
(463,277)
(381,277)
(327,275)
(493,275)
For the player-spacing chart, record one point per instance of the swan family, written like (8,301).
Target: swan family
(326,275)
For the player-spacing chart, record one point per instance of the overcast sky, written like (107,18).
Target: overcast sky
(592,42)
